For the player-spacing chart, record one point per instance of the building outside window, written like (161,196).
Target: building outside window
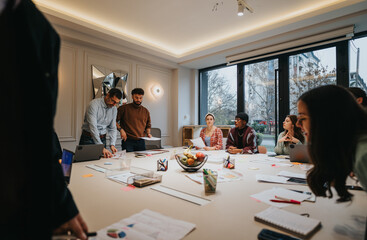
(309,70)
(357,63)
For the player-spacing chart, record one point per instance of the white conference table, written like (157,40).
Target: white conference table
(230,214)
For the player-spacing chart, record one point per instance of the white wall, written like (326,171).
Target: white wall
(75,89)
(185,101)
(175,107)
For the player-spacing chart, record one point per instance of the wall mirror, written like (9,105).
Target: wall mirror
(104,79)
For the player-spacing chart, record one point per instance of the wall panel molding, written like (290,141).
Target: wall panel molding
(65,121)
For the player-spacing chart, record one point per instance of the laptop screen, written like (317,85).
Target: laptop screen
(66,162)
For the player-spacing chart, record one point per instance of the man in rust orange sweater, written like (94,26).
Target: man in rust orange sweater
(133,122)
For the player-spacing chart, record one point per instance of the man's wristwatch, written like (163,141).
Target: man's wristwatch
(119,129)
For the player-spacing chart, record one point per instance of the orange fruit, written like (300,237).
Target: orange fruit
(190,161)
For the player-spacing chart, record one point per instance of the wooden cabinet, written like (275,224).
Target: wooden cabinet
(193,131)
(225,130)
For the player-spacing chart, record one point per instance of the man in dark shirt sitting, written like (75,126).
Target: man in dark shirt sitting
(241,138)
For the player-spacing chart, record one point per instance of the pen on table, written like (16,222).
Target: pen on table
(72,237)
(299,191)
(161,163)
(288,200)
(285,201)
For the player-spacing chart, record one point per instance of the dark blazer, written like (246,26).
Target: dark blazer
(34,198)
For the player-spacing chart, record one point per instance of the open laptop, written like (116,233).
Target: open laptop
(88,152)
(299,153)
(66,164)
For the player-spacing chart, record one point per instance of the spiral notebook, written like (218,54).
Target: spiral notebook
(293,223)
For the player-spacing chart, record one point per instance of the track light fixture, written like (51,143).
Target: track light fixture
(242,5)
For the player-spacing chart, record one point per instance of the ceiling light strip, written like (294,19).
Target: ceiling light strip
(290,46)
(290,50)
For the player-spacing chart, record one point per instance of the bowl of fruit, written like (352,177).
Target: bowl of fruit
(190,161)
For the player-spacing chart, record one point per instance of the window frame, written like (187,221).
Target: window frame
(342,77)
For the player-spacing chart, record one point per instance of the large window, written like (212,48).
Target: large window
(357,63)
(260,99)
(219,94)
(254,87)
(309,70)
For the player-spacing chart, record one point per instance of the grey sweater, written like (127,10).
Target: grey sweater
(281,148)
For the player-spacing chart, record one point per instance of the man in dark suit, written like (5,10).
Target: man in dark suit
(35,201)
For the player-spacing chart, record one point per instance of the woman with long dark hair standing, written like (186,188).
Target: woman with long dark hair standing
(335,127)
(291,135)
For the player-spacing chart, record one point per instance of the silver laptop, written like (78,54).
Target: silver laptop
(299,153)
(88,152)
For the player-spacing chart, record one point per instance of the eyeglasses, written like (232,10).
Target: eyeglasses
(113,101)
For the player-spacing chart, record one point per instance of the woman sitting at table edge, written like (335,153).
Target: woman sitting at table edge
(336,152)
(211,135)
(291,135)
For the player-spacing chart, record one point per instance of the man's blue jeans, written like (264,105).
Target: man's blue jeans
(88,140)
(132,145)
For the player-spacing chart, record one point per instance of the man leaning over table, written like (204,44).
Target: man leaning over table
(133,122)
(241,138)
(99,119)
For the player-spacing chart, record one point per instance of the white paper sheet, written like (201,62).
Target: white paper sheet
(147,225)
(150,138)
(151,152)
(224,175)
(215,159)
(123,177)
(271,178)
(267,195)
(97,168)
(272,161)
(292,174)
(216,156)
(198,142)
(289,194)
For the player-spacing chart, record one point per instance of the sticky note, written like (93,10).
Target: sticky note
(128,188)
(88,175)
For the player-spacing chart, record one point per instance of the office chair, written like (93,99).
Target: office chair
(156,132)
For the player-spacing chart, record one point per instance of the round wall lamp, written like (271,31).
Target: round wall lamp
(157,91)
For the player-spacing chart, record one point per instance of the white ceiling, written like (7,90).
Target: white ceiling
(188,31)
